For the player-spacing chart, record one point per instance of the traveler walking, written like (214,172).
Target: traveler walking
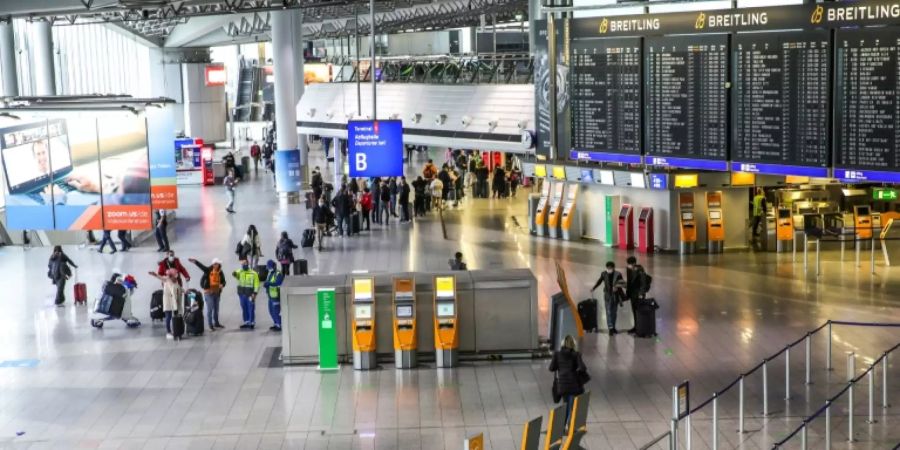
(172,297)
(376,200)
(255,153)
(249,248)
(437,192)
(320,219)
(284,251)
(230,183)
(365,204)
(343,207)
(162,237)
(429,171)
(419,188)
(123,238)
(59,272)
(248,285)
(395,190)
(170,262)
(636,287)
(569,374)
(403,198)
(212,282)
(107,239)
(613,282)
(272,286)
(385,203)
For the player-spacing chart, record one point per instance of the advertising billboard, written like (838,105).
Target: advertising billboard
(163,176)
(375,148)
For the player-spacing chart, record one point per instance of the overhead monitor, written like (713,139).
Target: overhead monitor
(687,180)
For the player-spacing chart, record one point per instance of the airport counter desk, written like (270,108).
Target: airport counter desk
(480,314)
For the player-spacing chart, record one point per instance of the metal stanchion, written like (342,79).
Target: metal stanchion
(851,365)
(715,422)
(673,427)
(794,248)
(884,383)
(808,358)
(856,246)
(803,439)
(850,413)
(818,257)
(872,254)
(687,432)
(741,405)
(787,374)
(828,424)
(871,395)
(805,253)
(765,371)
(828,356)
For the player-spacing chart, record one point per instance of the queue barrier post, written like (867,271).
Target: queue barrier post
(827,423)
(851,365)
(884,383)
(808,344)
(741,405)
(828,355)
(765,374)
(871,377)
(803,437)
(715,422)
(850,413)
(787,373)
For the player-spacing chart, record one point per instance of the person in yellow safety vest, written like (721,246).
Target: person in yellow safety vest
(759,212)
(273,289)
(248,285)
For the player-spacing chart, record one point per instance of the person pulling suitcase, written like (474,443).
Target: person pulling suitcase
(612,280)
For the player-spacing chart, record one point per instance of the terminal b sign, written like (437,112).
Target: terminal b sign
(375,148)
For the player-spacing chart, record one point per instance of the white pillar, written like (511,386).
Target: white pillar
(285,67)
(10,83)
(44,77)
(299,87)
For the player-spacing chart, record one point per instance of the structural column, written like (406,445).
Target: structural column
(44,73)
(10,82)
(288,165)
(299,87)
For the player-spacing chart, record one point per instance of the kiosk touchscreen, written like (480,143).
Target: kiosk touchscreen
(405,342)
(715,222)
(363,319)
(540,215)
(687,223)
(554,214)
(784,230)
(645,230)
(571,226)
(626,227)
(446,332)
(862,219)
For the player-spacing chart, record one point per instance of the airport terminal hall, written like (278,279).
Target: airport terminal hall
(450,224)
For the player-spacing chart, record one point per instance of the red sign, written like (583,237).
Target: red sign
(215,75)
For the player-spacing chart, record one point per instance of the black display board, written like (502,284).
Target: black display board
(686,97)
(867,107)
(780,102)
(605,86)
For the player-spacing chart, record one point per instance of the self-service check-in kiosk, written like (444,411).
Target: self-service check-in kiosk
(715,223)
(554,215)
(405,342)
(626,227)
(206,165)
(612,205)
(540,214)
(645,230)
(571,225)
(687,222)
(784,230)
(364,345)
(862,219)
(446,325)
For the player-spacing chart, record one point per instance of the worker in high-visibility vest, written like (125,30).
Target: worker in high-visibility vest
(759,212)
(248,285)
(273,290)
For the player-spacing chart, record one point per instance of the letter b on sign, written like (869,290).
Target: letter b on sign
(361,163)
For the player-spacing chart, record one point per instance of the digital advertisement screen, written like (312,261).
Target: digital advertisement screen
(404,311)
(446,309)
(375,148)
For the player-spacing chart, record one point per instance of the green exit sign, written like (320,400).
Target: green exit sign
(884,194)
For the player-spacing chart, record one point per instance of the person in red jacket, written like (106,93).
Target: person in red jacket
(171,262)
(365,202)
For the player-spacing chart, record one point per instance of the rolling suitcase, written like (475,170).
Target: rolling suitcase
(301,267)
(177,326)
(645,322)
(587,311)
(308,238)
(80,293)
(355,223)
(156,306)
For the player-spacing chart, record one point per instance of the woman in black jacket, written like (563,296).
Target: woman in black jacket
(284,251)
(58,271)
(570,372)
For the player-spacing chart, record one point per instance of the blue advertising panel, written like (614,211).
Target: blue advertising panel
(375,148)
(163,177)
(287,171)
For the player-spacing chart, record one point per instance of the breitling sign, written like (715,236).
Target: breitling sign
(822,15)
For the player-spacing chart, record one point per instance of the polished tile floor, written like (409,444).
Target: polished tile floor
(131,388)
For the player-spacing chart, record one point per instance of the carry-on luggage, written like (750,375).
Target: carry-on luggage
(308,238)
(177,326)
(355,223)
(645,322)
(156,306)
(110,304)
(301,267)
(587,310)
(80,293)
(193,321)
(190,296)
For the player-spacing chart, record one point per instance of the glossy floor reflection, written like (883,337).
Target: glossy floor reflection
(130,389)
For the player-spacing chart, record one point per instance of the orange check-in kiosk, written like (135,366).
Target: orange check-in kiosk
(363,321)
(554,215)
(540,215)
(715,222)
(405,342)
(570,226)
(862,219)
(784,230)
(687,223)
(446,322)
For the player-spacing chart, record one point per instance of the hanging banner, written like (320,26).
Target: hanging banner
(124,171)
(163,177)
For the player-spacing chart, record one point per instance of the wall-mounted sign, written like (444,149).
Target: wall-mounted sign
(885,194)
(216,75)
(375,148)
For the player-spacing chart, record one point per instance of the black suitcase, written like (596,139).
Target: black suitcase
(192,295)
(156,306)
(355,223)
(110,305)
(308,238)
(193,322)
(301,267)
(587,310)
(645,322)
(177,326)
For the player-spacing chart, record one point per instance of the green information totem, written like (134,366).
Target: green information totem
(328,355)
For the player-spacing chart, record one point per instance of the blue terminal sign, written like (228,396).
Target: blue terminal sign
(687,163)
(375,148)
(858,176)
(780,169)
(579,155)
(659,181)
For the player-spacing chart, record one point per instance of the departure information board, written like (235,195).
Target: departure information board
(687,101)
(781,109)
(867,110)
(606,98)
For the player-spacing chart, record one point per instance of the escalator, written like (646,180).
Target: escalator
(248,89)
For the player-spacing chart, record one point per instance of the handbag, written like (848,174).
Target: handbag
(557,397)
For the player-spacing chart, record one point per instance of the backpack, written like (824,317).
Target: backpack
(254,151)
(644,279)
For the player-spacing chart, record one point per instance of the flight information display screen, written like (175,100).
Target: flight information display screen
(867,107)
(606,95)
(687,96)
(780,103)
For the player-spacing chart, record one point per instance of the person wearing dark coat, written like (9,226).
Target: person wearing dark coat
(59,272)
(569,369)
(284,251)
